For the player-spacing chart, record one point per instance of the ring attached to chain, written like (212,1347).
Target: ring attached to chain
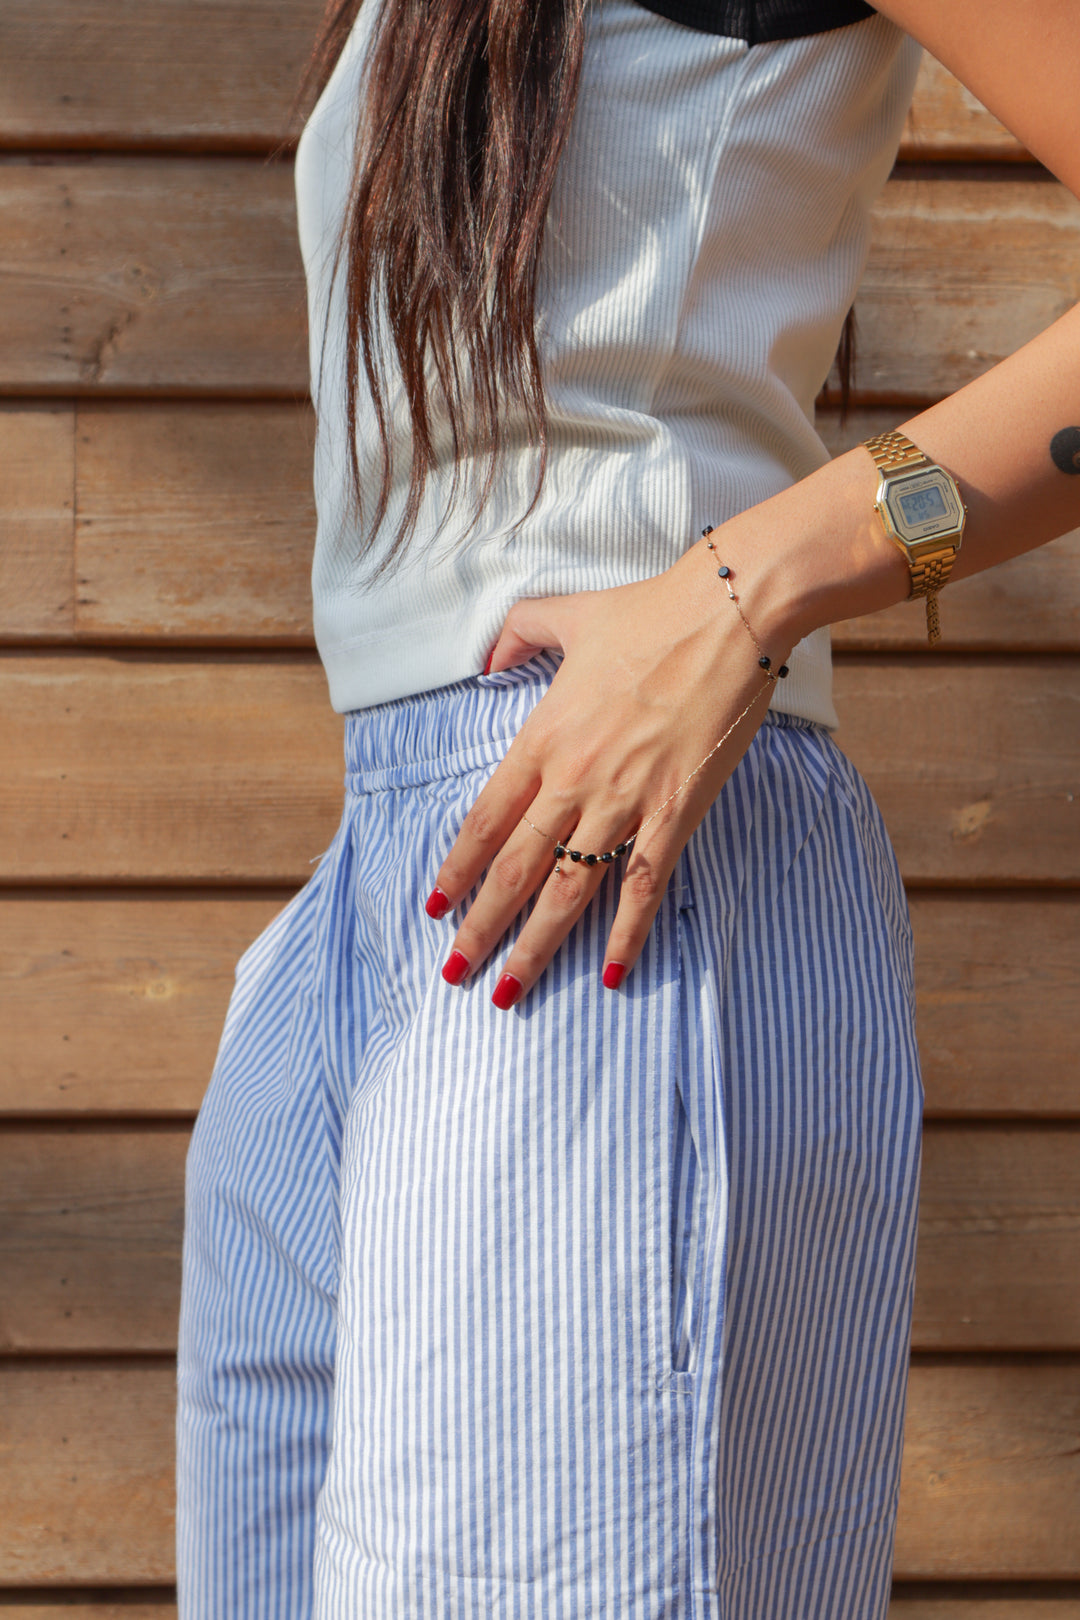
(591,859)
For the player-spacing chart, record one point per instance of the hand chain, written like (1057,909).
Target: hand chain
(764,661)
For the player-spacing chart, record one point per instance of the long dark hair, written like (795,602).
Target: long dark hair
(467,106)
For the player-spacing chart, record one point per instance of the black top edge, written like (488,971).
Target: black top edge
(759,21)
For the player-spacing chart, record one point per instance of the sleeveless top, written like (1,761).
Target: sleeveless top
(708,228)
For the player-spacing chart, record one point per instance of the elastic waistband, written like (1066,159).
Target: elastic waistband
(437,734)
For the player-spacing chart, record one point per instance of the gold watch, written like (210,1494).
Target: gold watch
(920,509)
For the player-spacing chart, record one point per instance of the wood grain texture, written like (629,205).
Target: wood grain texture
(37,519)
(135,1602)
(174,276)
(992,1470)
(947,124)
(178,276)
(91,1222)
(1028,604)
(220,75)
(1043,1600)
(998,985)
(999,1239)
(991,1478)
(114,1003)
(196,523)
(213,74)
(86,1472)
(960,273)
(175,770)
(138,768)
(985,791)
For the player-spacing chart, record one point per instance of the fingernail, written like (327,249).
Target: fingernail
(613,975)
(506,991)
(437,904)
(487,666)
(455,967)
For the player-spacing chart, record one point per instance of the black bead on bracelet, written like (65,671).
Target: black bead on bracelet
(727,575)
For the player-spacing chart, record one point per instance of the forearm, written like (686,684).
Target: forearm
(817,553)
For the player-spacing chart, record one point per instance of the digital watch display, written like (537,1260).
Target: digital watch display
(921,511)
(922,506)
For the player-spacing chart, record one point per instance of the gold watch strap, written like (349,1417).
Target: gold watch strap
(893,452)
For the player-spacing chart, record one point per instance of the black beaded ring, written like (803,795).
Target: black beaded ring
(607,857)
(562,850)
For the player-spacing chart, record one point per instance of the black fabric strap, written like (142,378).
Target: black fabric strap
(758,21)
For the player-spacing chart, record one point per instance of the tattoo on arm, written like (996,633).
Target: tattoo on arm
(1065,450)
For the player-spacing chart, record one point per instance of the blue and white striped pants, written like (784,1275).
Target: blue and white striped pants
(595,1308)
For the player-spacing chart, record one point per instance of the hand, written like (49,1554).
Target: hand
(652,676)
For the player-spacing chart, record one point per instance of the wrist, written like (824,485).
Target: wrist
(834,559)
(810,556)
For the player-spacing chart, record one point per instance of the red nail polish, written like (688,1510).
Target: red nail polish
(487,666)
(613,975)
(455,967)
(506,991)
(436,904)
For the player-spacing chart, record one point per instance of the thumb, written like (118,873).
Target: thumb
(532,625)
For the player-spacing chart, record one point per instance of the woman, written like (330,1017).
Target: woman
(574,1278)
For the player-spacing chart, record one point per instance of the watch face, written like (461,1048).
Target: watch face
(924,506)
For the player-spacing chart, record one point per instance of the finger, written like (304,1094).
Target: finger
(532,625)
(560,902)
(655,855)
(487,826)
(645,880)
(516,873)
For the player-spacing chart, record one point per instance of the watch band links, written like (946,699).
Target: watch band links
(893,453)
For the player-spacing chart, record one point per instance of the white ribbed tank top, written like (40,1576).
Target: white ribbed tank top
(707,232)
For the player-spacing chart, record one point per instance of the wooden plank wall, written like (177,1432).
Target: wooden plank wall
(171,766)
